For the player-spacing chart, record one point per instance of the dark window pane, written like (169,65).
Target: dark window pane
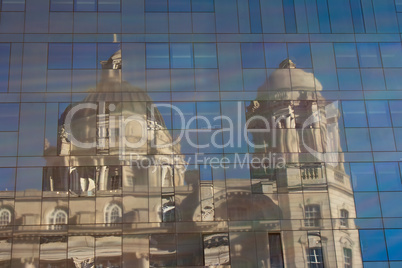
(84,56)
(275,53)
(373,245)
(390,204)
(396,113)
(252,55)
(345,55)
(300,54)
(369,55)
(367,205)
(205,55)
(13,5)
(394,238)
(378,114)
(203,5)
(157,55)
(155,5)
(354,114)
(388,176)
(85,5)
(181,55)
(61,5)
(363,177)
(179,5)
(9,115)
(108,5)
(4,66)
(60,56)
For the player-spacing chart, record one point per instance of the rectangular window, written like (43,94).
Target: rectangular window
(9,115)
(216,249)
(314,258)
(109,5)
(85,5)
(312,216)
(157,55)
(347,256)
(13,5)
(275,250)
(61,5)
(4,66)
(252,55)
(181,55)
(60,56)
(205,55)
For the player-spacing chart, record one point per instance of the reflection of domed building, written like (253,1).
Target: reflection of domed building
(314,193)
(113,196)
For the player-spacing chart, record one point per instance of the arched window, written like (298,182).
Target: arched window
(344,218)
(58,219)
(312,216)
(5,217)
(113,214)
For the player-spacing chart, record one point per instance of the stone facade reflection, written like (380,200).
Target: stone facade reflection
(96,209)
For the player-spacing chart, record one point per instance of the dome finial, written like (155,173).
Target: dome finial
(287,64)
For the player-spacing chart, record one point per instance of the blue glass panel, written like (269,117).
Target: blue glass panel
(158,80)
(105,51)
(396,113)
(373,79)
(180,23)
(179,5)
(390,204)
(391,54)
(273,20)
(378,113)
(61,5)
(382,139)
(13,5)
(345,54)
(156,23)
(84,56)
(369,55)
(85,5)
(182,80)
(301,17)
(290,18)
(354,114)
(4,66)
(394,244)
(7,179)
(203,5)
(340,16)
(29,179)
(363,177)
(252,55)
(367,205)
(187,112)
(375,264)
(393,78)
(155,5)
(9,114)
(388,176)
(323,16)
(60,56)
(226,17)
(373,245)
(312,16)
(205,55)
(358,139)
(300,54)
(398,5)
(349,79)
(368,14)
(253,79)
(206,80)
(385,17)
(255,16)
(108,5)
(203,23)
(398,138)
(209,110)
(8,144)
(357,15)
(275,53)
(157,55)
(324,65)
(181,55)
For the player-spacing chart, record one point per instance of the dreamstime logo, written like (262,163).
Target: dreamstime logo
(137,133)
